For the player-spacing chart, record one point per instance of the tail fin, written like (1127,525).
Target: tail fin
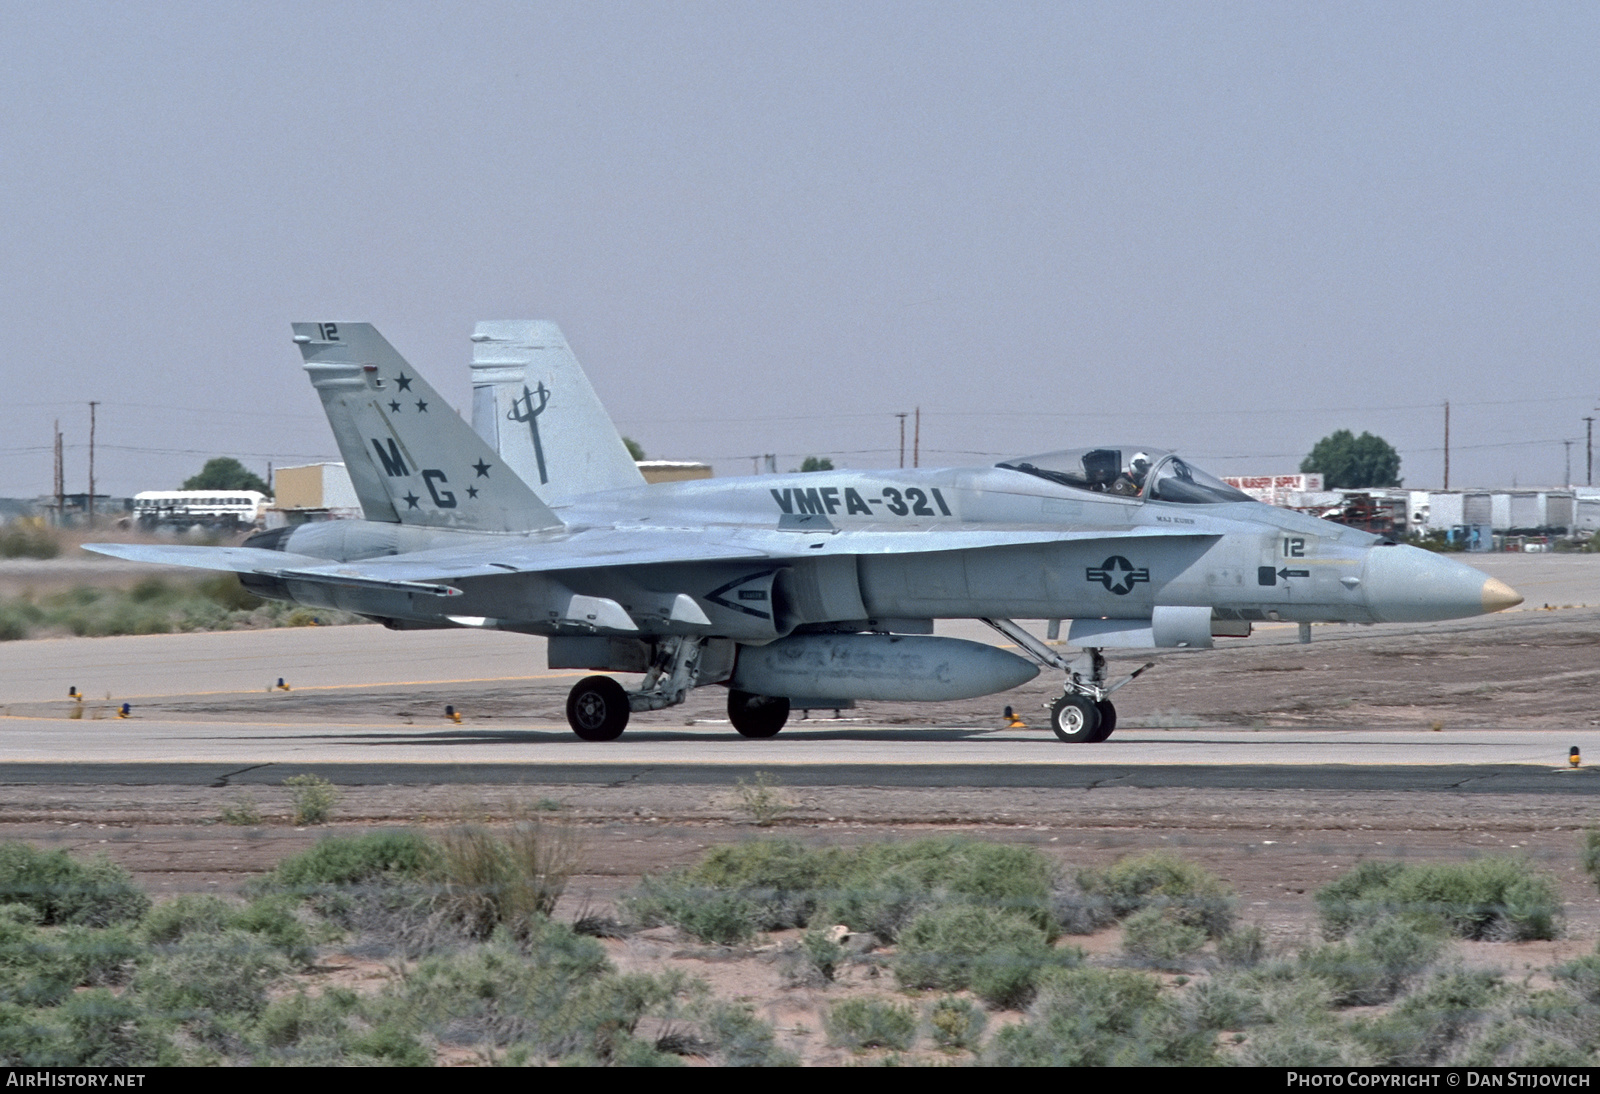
(532,403)
(411,458)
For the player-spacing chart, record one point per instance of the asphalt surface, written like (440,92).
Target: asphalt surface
(235,725)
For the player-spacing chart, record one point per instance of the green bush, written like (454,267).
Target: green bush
(718,916)
(1087,1017)
(1226,1000)
(1589,852)
(955,1024)
(743,1040)
(1583,975)
(16,622)
(1158,936)
(351,860)
(332,1029)
(242,812)
(28,538)
(208,976)
(42,967)
(1499,899)
(1195,896)
(1243,947)
(171,920)
(739,889)
(272,919)
(1304,1044)
(1377,961)
(1427,1024)
(871,1023)
(313,798)
(554,997)
(61,889)
(998,954)
(90,1029)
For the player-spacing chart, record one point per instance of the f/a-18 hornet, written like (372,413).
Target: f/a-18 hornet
(805,590)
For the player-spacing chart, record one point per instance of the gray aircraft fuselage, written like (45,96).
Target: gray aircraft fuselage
(1244,560)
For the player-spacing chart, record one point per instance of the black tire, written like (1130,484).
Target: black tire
(757,715)
(1108,721)
(597,708)
(1075,718)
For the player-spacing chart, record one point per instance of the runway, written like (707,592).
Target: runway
(205,707)
(365,705)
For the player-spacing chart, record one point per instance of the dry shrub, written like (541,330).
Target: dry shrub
(490,879)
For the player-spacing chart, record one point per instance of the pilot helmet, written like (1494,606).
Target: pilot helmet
(1140,464)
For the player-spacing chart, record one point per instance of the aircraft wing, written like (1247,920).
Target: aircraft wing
(597,548)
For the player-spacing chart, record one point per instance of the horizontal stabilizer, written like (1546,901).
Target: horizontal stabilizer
(238,560)
(257,560)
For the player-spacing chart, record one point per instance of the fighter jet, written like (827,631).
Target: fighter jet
(803,590)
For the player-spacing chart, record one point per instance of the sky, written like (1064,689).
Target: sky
(1227,229)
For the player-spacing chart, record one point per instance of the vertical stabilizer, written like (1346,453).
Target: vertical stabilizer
(410,457)
(532,403)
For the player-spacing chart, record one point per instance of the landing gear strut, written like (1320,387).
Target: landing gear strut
(598,707)
(1083,714)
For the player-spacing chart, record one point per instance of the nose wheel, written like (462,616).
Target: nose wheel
(1078,719)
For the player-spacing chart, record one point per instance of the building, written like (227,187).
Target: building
(316,491)
(673,470)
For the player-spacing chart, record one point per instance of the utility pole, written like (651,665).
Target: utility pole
(1447,444)
(902,418)
(1568,445)
(60,479)
(1589,422)
(916,442)
(92,405)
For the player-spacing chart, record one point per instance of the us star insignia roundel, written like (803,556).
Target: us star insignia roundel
(1118,575)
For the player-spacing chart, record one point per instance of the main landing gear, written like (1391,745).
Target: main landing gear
(1079,719)
(598,707)
(1083,714)
(757,715)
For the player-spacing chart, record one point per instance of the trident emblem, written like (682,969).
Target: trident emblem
(523,410)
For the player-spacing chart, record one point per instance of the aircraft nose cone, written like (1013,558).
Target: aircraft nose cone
(1498,596)
(1410,585)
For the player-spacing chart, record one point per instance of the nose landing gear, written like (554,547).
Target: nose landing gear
(1083,714)
(1079,719)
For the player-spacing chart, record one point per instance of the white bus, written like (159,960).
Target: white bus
(212,508)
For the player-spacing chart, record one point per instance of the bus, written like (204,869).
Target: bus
(205,508)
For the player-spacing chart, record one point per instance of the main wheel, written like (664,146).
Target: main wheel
(757,715)
(597,708)
(1075,718)
(1108,721)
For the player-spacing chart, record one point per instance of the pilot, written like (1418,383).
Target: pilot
(1131,481)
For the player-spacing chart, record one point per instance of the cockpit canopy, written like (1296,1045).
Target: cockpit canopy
(1129,471)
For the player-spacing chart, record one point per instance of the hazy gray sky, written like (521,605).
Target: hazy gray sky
(1223,228)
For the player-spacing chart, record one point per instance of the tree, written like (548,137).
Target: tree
(635,449)
(1348,462)
(225,473)
(813,463)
